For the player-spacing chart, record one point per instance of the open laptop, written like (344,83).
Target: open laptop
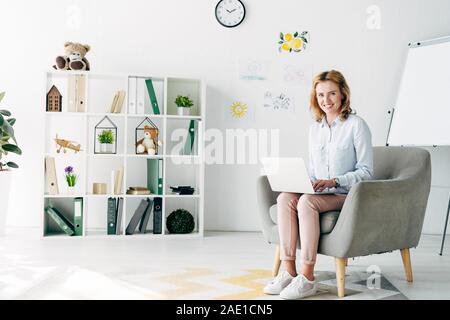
(289,175)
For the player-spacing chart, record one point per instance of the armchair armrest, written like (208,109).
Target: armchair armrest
(378,216)
(265,198)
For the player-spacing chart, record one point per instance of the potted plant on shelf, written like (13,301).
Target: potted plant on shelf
(106,139)
(71,179)
(184,103)
(6,145)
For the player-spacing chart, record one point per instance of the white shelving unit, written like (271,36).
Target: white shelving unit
(178,169)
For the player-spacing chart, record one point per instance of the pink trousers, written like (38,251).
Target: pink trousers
(303,210)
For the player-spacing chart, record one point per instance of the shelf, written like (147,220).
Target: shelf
(184,117)
(66,113)
(76,195)
(103,155)
(120,115)
(144,196)
(145,156)
(183,167)
(134,115)
(182,196)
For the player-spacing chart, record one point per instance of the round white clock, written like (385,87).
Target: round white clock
(230,13)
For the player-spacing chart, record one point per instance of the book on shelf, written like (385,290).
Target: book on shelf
(117,103)
(132,91)
(50,175)
(137,216)
(72,93)
(78,216)
(190,139)
(119,214)
(81,92)
(111,216)
(144,221)
(140,96)
(155,176)
(60,220)
(152,95)
(157,215)
(117,180)
(76,91)
(138,190)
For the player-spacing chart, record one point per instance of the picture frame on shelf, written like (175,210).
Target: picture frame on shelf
(105,137)
(147,138)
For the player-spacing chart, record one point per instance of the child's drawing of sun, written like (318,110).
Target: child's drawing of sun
(238,109)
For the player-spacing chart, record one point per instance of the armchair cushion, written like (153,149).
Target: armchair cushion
(327,219)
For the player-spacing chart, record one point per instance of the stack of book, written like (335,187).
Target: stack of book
(138,190)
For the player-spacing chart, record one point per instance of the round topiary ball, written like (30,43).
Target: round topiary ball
(180,221)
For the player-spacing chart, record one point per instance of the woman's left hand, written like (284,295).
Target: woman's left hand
(319,185)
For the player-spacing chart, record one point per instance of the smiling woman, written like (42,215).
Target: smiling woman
(340,153)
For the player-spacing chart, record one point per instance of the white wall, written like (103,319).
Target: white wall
(169,37)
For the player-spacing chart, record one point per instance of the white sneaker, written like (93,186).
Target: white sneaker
(300,287)
(280,282)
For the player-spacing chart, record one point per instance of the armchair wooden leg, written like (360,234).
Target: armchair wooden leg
(276,262)
(340,276)
(407,264)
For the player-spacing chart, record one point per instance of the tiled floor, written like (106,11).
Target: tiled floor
(222,265)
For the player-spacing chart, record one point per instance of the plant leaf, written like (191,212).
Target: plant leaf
(295,34)
(304,39)
(8,129)
(1,120)
(12,121)
(12,164)
(12,148)
(280,42)
(281,36)
(5,113)
(2,95)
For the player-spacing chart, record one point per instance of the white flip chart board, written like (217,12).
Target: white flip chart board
(422,111)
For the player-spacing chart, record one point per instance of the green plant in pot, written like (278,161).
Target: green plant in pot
(184,104)
(8,143)
(106,140)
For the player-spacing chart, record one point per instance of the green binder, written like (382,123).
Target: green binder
(59,218)
(78,216)
(111,216)
(190,139)
(152,95)
(155,176)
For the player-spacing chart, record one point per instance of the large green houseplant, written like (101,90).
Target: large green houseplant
(8,143)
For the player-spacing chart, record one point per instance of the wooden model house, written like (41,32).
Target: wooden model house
(54,100)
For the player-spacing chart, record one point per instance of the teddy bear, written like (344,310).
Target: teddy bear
(149,144)
(74,59)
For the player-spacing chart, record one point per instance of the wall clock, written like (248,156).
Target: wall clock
(230,13)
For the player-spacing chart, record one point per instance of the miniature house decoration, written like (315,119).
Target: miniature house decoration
(146,137)
(105,137)
(54,100)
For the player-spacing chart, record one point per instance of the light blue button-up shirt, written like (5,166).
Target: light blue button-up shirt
(342,150)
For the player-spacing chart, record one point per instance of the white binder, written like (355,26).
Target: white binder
(132,95)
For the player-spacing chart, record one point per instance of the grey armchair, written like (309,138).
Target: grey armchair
(378,216)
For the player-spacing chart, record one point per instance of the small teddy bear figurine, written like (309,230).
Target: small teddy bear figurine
(148,144)
(74,59)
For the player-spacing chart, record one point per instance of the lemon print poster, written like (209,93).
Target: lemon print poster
(293,42)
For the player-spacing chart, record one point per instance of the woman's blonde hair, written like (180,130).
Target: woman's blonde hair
(338,78)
